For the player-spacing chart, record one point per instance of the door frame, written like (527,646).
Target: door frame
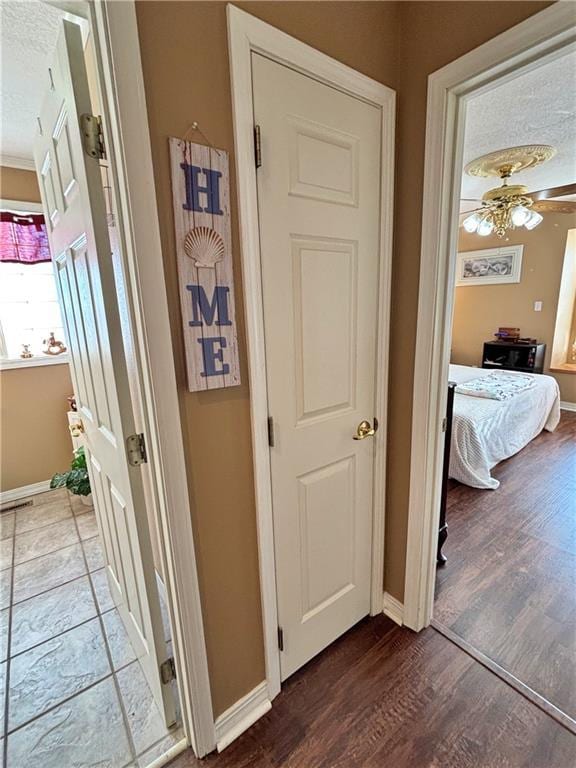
(520,49)
(124,113)
(247,34)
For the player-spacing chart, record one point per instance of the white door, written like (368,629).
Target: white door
(319,203)
(74,207)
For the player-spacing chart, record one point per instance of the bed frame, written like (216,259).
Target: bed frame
(443,528)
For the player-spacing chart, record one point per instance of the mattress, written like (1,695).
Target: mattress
(486,431)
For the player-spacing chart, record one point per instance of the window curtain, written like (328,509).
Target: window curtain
(23,238)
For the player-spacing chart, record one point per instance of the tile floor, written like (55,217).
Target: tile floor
(72,694)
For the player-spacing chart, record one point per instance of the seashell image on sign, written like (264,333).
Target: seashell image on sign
(205,246)
(201,197)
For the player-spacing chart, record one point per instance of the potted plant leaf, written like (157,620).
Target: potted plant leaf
(76,480)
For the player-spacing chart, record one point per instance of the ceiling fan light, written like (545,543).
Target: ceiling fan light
(520,215)
(485,227)
(534,219)
(470,223)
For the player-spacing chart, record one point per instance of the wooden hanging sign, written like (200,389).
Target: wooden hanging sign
(201,196)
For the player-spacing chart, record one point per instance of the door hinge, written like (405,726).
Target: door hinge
(444,424)
(270,431)
(280,639)
(168,670)
(136,447)
(91,126)
(257,146)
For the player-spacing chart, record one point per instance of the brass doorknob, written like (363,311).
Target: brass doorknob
(365,429)
(76,429)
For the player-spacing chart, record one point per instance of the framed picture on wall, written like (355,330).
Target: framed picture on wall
(491,266)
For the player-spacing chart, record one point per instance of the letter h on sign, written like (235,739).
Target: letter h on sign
(193,189)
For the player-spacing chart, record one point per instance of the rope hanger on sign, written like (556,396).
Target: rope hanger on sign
(196,127)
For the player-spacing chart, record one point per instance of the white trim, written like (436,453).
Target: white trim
(565,406)
(25,490)
(20,206)
(393,608)
(520,49)
(117,46)
(9,363)
(21,163)
(130,150)
(241,715)
(246,34)
(170,754)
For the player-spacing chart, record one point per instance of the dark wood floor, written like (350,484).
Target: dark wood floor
(509,587)
(384,697)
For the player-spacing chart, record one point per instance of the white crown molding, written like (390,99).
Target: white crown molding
(393,608)
(241,715)
(22,163)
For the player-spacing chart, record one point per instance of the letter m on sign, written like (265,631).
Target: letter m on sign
(205,311)
(201,202)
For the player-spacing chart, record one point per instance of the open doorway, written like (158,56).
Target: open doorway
(87,659)
(525,595)
(509,504)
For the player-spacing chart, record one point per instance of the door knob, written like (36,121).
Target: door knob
(76,429)
(365,429)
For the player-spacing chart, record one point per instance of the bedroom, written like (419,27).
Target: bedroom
(506,578)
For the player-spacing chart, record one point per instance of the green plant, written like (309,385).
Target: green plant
(76,479)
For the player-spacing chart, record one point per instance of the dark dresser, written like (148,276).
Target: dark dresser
(514,356)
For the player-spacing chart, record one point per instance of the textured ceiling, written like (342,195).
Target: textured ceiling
(29,33)
(536,108)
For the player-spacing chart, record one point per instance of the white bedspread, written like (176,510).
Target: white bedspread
(486,431)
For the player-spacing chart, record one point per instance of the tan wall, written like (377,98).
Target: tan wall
(34,438)
(16,184)
(186,72)
(480,309)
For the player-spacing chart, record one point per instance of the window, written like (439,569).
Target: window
(29,308)
(564,346)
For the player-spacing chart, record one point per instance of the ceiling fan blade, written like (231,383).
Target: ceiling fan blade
(546,194)
(554,206)
(470,212)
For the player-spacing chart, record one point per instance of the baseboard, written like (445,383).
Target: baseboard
(393,608)
(567,406)
(241,715)
(26,490)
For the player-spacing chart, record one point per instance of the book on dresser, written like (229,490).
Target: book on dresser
(527,357)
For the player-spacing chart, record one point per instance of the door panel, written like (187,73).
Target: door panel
(87,277)
(325,381)
(319,202)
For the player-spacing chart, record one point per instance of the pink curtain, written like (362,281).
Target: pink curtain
(23,238)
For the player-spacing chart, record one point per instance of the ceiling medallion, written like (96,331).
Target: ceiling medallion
(509,205)
(517,158)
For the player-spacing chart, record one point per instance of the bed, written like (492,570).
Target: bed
(486,431)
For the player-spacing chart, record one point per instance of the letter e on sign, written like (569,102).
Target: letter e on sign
(201,197)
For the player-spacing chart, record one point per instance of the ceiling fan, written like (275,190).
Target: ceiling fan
(512,205)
